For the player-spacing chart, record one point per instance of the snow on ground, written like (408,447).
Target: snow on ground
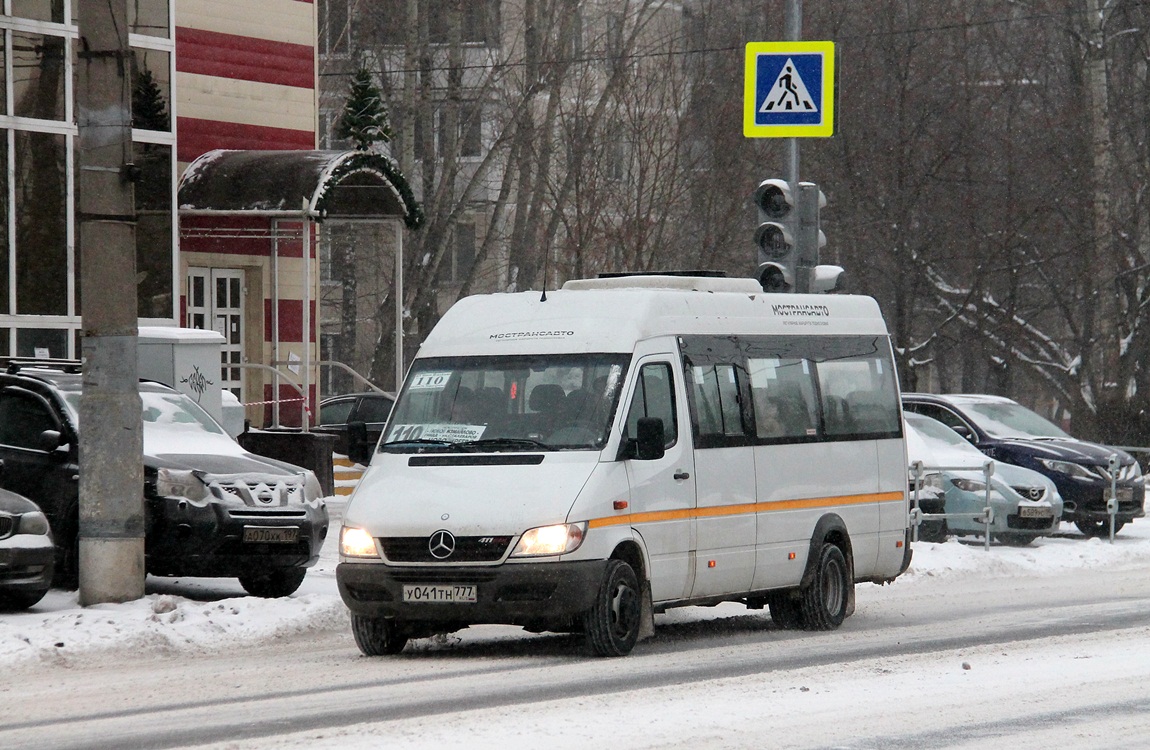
(206,615)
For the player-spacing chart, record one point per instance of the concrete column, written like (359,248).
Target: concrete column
(111,443)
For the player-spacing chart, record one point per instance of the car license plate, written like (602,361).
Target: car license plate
(450,593)
(1032,512)
(271,534)
(1125,494)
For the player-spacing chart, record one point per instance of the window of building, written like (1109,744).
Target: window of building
(40,10)
(151,90)
(38,75)
(154,262)
(614,41)
(479,23)
(456,265)
(335,26)
(39,254)
(150,18)
(469,131)
(41,206)
(42,343)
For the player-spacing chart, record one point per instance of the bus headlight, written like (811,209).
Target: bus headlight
(356,542)
(559,539)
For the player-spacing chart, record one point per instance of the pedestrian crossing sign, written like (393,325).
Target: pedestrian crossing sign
(789,90)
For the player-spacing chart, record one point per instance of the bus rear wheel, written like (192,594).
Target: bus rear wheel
(824,599)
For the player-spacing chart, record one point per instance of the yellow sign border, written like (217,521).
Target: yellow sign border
(826,106)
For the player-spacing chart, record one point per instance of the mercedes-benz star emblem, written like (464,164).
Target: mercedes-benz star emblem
(441,544)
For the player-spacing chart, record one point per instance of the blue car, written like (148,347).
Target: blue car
(1025,504)
(1009,432)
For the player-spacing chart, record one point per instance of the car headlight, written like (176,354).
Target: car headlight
(181,483)
(356,542)
(559,539)
(968,485)
(313,490)
(35,523)
(931,480)
(1076,471)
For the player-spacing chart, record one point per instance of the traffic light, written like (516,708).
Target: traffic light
(775,236)
(789,239)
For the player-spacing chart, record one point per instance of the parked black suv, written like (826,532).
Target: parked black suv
(1007,431)
(211,509)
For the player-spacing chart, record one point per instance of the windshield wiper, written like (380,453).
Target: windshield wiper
(497,444)
(416,441)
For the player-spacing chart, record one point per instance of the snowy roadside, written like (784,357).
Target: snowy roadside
(200,616)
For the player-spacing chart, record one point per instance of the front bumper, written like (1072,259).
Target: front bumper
(190,539)
(25,567)
(1088,503)
(522,594)
(1008,515)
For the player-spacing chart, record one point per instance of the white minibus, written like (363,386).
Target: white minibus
(582,459)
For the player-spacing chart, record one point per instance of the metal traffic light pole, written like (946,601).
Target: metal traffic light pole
(793,21)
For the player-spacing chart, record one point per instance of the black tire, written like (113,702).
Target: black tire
(377,636)
(1098,528)
(272,584)
(66,573)
(14,601)
(932,531)
(612,623)
(824,601)
(785,610)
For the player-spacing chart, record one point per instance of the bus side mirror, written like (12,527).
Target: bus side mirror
(651,438)
(358,448)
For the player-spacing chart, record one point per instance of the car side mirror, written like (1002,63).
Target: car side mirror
(50,440)
(963,430)
(358,447)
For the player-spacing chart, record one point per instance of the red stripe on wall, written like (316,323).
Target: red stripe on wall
(244,58)
(291,320)
(196,137)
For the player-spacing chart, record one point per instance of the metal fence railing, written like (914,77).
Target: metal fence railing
(918,471)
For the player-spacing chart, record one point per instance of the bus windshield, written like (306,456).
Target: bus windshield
(507,403)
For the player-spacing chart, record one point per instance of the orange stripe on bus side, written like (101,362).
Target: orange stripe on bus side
(731,510)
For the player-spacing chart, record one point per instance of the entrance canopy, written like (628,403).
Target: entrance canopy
(294,184)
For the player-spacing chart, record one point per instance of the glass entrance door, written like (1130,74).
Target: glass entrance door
(216,302)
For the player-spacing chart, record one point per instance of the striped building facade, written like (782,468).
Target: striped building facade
(246,79)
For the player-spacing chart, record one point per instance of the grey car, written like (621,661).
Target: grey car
(27,558)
